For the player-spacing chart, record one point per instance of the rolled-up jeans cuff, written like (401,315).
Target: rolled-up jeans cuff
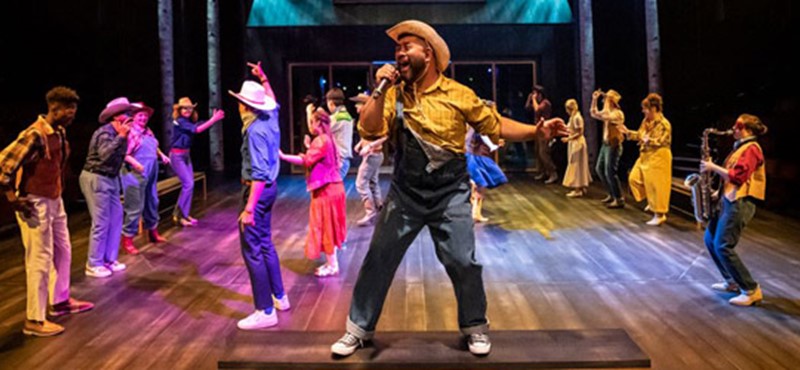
(477,329)
(357,331)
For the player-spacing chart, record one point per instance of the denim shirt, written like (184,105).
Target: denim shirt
(106,152)
(260,143)
(183,131)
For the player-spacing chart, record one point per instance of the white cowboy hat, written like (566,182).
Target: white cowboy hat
(114,108)
(254,95)
(423,30)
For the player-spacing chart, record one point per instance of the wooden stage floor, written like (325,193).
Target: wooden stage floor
(549,262)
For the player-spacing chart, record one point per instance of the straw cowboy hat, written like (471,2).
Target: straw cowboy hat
(115,107)
(423,30)
(613,96)
(361,98)
(140,106)
(253,95)
(184,102)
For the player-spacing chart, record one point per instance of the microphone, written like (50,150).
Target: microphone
(382,86)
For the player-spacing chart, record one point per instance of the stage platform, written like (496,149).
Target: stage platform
(550,263)
(511,350)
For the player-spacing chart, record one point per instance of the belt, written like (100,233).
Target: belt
(179,150)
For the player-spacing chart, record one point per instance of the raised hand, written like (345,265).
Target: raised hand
(122,128)
(257,71)
(306,141)
(218,114)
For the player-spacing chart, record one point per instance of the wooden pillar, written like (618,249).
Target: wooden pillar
(214,93)
(167,69)
(653,46)
(586,45)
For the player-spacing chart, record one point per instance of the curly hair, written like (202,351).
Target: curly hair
(653,100)
(63,95)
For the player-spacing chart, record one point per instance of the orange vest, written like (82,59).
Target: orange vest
(755,186)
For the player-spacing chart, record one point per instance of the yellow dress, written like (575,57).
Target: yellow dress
(651,176)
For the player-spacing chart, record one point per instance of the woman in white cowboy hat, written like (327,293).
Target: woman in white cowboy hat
(260,165)
(184,127)
(100,186)
(139,179)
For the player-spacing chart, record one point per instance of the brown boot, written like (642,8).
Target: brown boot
(127,244)
(42,328)
(155,237)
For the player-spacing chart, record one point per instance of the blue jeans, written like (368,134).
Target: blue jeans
(606,168)
(344,167)
(182,165)
(141,198)
(258,251)
(722,235)
(102,198)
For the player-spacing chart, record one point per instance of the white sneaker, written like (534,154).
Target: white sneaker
(726,287)
(346,345)
(283,303)
(258,320)
(98,271)
(747,298)
(117,266)
(479,344)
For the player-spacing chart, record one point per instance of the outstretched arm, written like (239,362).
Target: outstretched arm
(512,130)
(217,116)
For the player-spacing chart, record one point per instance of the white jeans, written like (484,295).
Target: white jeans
(48,254)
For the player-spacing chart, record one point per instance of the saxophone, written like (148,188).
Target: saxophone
(703,193)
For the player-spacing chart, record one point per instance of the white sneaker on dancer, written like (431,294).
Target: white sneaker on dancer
(283,303)
(98,271)
(347,345)
(258,320)
(747,298)
(117,266)
(726,287)
(479,344)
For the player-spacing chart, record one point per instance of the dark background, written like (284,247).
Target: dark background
(719,59)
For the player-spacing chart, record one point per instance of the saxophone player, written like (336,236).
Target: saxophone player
(743,181)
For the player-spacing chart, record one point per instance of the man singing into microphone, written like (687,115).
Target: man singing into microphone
(426,115)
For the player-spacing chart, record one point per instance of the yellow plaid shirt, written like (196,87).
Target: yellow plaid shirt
(439,115)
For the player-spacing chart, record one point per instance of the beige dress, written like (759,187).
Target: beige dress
(578,174)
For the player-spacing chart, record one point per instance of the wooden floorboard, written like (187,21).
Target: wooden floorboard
(550,263)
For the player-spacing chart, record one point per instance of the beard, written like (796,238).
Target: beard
(413,71)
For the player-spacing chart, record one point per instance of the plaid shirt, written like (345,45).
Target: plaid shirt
(439,115)
(27,147)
